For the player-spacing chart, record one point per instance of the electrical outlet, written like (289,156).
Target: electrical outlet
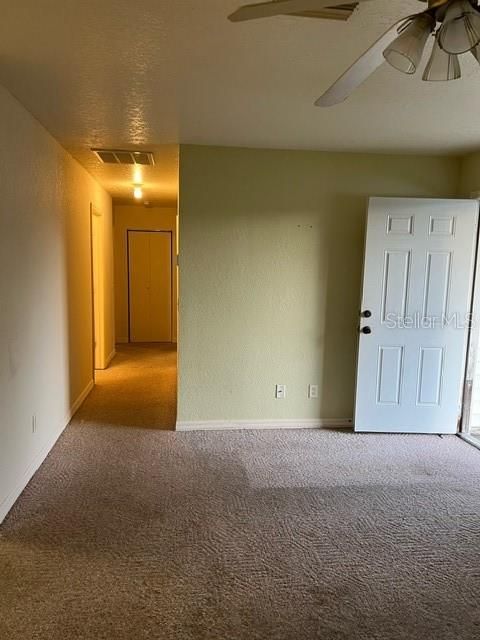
(313,391)
(280,391)
(34,423)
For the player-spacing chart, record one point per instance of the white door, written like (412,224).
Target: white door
(418,273)
(150,286)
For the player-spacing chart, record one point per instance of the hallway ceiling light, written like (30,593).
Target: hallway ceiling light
(137,175)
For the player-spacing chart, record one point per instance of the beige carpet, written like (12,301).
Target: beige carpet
(133,533)
(137,390)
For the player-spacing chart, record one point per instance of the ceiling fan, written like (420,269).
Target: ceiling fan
(454,24)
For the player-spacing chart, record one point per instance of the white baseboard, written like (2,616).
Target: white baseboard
(110,358)
(26,476)
(8,502)
(106,361)
(78,402)
(229,425)
(470,439)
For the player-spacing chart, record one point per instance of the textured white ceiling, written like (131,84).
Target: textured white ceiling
(157,72)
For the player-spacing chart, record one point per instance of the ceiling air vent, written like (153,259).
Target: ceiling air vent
(117,156)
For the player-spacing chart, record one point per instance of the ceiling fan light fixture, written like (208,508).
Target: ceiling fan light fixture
(405,52)
(476,53)
(460,30)
(441,66)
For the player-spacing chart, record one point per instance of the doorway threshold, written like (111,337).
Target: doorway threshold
(471,438)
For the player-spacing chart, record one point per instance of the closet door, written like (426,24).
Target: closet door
(150,286)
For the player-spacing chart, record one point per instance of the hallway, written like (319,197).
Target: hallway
(137,390)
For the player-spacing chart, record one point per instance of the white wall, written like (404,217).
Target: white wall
(45,292)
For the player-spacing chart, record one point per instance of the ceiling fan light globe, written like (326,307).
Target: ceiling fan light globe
(405,52)
(442,66)
(460,31)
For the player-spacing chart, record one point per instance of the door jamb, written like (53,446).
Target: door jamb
(473,344)
(96,339)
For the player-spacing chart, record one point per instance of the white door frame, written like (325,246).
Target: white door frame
(473,341)
(98,319)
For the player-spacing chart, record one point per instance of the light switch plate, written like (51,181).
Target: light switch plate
(313,391)
(280,391)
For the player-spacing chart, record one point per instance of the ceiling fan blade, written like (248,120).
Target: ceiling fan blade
(278,8)
(360,70)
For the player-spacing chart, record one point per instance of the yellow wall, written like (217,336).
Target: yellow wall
(270,265)
(45,291)
(104,293)
(138,217)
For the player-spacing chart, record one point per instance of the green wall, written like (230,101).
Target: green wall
(470,175)
(271,250)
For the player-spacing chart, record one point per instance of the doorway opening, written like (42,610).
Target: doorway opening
(470,422)
(146,314)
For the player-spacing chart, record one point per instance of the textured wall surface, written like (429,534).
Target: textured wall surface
(270,268)
(138,217)
(470,175)
(45,291)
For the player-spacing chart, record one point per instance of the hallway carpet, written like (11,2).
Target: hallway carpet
(133,533)
(137,390)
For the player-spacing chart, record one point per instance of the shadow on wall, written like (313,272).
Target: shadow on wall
(272,248)
(338,341)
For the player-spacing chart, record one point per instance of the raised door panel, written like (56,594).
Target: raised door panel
(389,375)
(396,276)
(430,376)
(437,285)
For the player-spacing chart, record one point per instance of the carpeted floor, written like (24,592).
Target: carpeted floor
(134,533)
(139,389)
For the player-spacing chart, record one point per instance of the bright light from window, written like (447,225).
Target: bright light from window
(138,193)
